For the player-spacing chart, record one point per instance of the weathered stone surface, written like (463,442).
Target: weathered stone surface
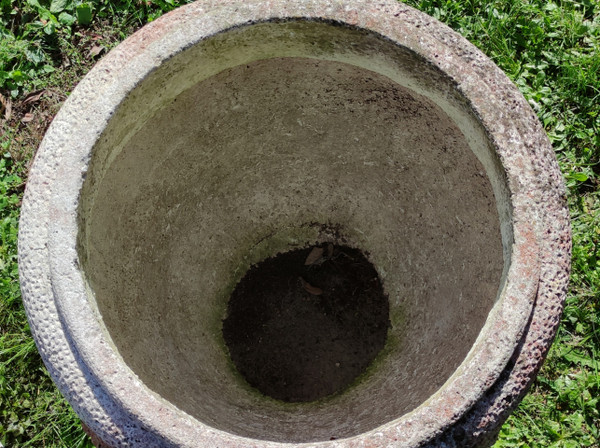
(228,131)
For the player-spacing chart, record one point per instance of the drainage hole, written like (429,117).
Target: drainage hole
(305,324)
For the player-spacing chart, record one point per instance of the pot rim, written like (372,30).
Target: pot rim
(49,223)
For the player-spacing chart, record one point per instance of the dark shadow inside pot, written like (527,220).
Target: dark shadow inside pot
(305,324)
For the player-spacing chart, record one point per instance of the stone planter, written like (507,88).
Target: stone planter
(229,131)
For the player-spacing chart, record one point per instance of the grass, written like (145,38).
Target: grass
(549,49)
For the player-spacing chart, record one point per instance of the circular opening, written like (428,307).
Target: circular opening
(305,324)
(231,152)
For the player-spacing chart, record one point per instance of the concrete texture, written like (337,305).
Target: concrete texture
(226,132)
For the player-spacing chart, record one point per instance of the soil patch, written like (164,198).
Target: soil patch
(305,324)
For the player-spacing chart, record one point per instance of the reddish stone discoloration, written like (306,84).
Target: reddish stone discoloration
(98,443)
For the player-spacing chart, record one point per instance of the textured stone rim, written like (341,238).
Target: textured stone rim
(108,396)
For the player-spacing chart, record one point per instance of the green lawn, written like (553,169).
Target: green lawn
(551,50)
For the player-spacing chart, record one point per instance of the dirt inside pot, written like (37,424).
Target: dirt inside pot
(305,324)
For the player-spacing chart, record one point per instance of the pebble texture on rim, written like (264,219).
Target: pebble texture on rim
(518,132)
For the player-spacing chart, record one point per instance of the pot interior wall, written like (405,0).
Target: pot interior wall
(277,136)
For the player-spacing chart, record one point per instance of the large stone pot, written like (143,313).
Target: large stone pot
(229,131)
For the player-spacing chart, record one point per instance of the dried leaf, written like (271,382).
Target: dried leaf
(329,250)
(314,256)
(27,117)
(95,51)
(34,97)
(310,288)
(6,107)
